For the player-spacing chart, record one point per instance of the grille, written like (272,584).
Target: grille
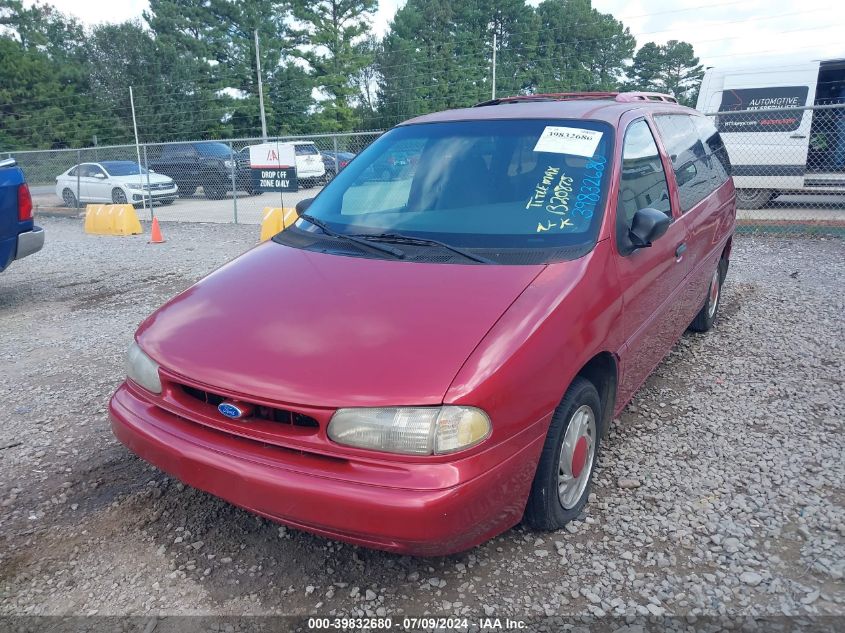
(271,414)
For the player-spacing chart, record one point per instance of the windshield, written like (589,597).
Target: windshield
(493,185)
(123,168)
(305,150)
(214,150)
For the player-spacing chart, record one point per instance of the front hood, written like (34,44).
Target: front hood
(327,330)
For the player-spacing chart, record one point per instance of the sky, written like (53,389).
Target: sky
(721,31)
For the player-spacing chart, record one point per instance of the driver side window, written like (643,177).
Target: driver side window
(643,182)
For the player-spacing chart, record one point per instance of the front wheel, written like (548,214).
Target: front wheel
(753,198)
(118,196)
(562,482)
(69,198)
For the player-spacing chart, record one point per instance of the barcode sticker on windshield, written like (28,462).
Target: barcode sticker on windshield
(568,140)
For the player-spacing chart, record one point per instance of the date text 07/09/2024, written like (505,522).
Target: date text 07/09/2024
(412,624)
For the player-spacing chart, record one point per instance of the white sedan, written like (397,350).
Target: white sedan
(115,181)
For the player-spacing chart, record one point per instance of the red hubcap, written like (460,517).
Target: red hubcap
(579,456)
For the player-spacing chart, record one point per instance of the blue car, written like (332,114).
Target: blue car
(19,236)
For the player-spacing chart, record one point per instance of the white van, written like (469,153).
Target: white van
(775,148)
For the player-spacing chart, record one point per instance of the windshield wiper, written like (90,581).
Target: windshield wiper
(422,241)
(352,238)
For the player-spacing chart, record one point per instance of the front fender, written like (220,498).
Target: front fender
(520,370)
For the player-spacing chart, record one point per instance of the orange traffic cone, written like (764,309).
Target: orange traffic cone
(155,236)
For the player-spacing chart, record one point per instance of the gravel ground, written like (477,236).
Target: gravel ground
(720,490)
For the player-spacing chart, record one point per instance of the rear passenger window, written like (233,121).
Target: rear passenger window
(698,155)
(714,146)
(643,183)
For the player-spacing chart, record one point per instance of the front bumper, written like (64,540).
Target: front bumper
(283,485)
(157,196)
(30,242)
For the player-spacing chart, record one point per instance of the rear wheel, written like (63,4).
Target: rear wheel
(69,198)
(753,198)
(118,196)
(707,315)
(562,482)
(187,190)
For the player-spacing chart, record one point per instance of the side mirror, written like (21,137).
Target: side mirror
(100,176)
(303,205)
(647,226)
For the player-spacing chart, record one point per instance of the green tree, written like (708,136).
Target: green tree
(164,82)
(671,68)
(289,101)
(215,40)
(417,66)
(45,99)
(330,35)
(438,54)
(579,48)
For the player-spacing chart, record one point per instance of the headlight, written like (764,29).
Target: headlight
(228,164)
(142,369)
(135,186)
(410,430)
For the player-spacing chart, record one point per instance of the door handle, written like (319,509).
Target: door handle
(798,136)
(682,248)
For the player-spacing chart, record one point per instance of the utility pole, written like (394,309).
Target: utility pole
(138,154)
(260,88)
(494,64)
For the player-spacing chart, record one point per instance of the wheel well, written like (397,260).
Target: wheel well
(601,371)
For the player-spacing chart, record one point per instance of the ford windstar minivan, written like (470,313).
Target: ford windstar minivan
(422,361)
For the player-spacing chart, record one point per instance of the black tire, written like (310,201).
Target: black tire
(118,196)
(69,198)
(710,310)
(545,509)
(328,176)
(753,198)
(166,202)
(214,190)
(187,190)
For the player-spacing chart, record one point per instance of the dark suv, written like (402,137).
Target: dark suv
(205,164)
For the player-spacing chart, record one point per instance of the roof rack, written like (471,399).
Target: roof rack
(621,97)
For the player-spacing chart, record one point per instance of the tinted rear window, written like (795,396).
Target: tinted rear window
(697,171)
(303,150)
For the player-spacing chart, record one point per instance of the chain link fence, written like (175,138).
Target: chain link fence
(190,181)
(788,166)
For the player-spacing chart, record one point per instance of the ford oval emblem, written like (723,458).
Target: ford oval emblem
(231,410)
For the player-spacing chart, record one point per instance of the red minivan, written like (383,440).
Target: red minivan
(423,360)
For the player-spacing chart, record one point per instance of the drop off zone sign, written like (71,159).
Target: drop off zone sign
(273,167)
